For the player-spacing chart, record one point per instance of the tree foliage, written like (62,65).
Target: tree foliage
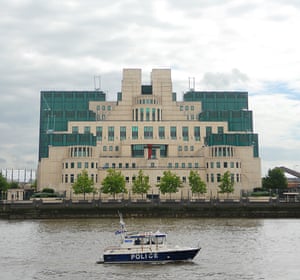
(48,190)
(169,183)
(227,185)
(13,185)
(3,185)
(141,184)
(113,183)
(83,184)
(196,183)
(275,179)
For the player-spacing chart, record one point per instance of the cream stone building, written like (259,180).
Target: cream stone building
(148,129)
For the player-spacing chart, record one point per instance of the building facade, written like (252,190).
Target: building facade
(147,129)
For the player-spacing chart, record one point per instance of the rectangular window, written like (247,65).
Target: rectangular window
(218,164)
(232,177)
(87,130)
(148,132)
(78,164)
(122,132)
(141,114)
(218,177)
(99,133)
(211,164)
(197,133)
(147,114)
(190,165)
(163,151)
(196,165)
(74,129)
(153,114)
(212,179)
(173,133)
(137,151)
(170,165)
(183,165)
(86,165)
(185,133)
(208,131)
(220,129)
(135,132)
(176,165)
(72,178)
(161,132)
(111,133)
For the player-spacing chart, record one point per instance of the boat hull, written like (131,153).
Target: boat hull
(152,257)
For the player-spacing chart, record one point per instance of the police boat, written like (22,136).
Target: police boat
(146,247)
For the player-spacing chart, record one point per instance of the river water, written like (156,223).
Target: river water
(231,249)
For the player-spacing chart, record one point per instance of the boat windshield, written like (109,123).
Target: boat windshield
(148,240)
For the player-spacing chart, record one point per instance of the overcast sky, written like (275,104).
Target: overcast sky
(225,44)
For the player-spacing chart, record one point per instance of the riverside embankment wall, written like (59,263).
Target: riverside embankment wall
(97,209)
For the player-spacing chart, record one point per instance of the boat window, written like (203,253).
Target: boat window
(160,240)
(137,241)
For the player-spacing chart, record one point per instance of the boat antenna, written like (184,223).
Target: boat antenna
(122,224)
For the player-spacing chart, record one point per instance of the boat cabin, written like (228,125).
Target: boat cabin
(147,238)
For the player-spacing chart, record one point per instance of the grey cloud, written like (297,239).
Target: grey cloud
(234,80)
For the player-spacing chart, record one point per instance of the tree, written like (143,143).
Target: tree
(196,183)
(227,185)
(13,185)
(113,183)
(48,190)
(3,186)
(169,183)
(141,184)
(83,184)
(275,179)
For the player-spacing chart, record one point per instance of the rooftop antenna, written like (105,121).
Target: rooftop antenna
(191,83)
(97,82)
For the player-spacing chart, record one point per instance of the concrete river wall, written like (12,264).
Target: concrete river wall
(39,209)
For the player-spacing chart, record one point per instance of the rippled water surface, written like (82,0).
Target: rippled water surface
(231,249)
